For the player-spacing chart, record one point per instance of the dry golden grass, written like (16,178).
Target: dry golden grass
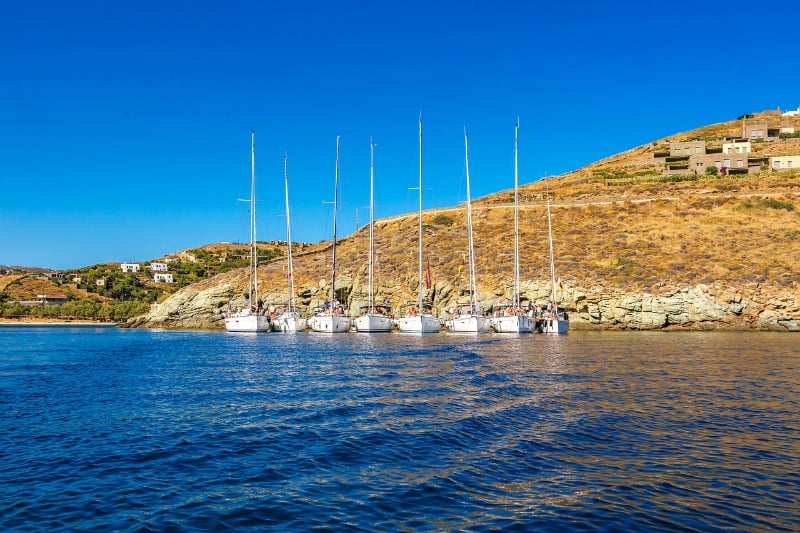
(641,237)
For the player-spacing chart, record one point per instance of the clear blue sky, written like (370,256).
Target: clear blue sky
(125,126)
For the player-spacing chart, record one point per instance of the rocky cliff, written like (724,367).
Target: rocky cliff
(698,307)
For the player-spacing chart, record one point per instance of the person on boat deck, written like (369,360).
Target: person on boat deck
(326,305)
(260,308)
(271,310)
(413,311)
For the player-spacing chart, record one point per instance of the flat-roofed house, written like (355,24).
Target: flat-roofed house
(784,162)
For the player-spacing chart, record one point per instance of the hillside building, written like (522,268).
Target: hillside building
(784,162)
(51,299)
(158,267)
(736,147)
(130,267)
(734,156)
(163,277)
(685,148)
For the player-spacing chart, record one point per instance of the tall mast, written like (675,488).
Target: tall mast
(371,220)
(419,240)
(335,198)
(550,238)
(253,295)
(290,267)
(469,231)
(516,216)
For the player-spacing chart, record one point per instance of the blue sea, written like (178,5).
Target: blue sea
(107,429)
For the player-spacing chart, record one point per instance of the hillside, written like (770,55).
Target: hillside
(635,247)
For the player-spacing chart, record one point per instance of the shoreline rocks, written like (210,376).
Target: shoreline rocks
(697,308)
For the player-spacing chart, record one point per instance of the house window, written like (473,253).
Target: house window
(776,165)
(697,149)
(789,164)
(718,163)
(727,163)
(739,163)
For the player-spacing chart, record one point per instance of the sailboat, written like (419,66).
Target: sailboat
(512,319)
(251,318)
(555,320)
(331,318)
(419,317)
(373,318)
(289,320)
(468,318)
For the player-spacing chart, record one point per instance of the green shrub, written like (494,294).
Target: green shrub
(771,203)
(442,220)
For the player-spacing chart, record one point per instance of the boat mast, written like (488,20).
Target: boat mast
(290,267)
(253,295)
(419,240)
(371,220)
(516,216)
(335,197)
(550,238)
(472,287)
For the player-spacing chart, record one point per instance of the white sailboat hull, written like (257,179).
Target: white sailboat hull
(512,324)
(468,324)
(419,324)
(372,323)
(330,323)
(247,323)
(554,326)
(289,322)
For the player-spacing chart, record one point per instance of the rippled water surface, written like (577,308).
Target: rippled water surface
(134,430)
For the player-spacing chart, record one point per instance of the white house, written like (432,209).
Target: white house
(793,113)
(163,277)
(130,267)
(736,148)
(784,162)
(158,267)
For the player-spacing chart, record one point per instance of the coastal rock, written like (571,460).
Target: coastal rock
(699,307)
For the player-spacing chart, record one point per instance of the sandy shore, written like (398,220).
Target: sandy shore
(36,321)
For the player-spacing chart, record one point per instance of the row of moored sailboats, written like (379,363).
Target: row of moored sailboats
(373,318)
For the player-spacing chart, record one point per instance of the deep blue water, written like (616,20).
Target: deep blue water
(137,430)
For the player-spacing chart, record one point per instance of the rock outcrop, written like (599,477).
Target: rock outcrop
(699,307)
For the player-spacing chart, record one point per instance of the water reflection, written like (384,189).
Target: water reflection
(620,431)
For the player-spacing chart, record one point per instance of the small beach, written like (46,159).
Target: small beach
(38,321)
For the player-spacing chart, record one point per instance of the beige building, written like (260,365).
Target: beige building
(677,149)
(699,163)
(784,162)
